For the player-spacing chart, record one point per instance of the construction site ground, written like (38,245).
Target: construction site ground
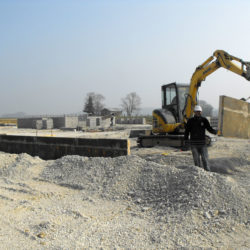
(154,198)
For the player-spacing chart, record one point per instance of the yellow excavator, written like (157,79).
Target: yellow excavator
(178,101)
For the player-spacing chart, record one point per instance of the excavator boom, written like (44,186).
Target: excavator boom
(219,59)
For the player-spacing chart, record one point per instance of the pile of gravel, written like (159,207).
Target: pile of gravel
(18,165)
(159,188)
(156,201)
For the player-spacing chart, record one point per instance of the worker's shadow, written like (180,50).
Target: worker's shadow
(227,165)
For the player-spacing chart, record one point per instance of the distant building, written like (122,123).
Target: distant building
(59,122)
(109,111)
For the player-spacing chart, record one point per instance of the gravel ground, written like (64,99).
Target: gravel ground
(153,199)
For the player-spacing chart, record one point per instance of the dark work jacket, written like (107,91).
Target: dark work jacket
(196,127)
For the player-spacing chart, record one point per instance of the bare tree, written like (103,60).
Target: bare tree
(131,103)
(94,103)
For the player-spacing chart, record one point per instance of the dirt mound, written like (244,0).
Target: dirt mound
(164,189)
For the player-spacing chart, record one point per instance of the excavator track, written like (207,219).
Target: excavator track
(176,141)
(160,140)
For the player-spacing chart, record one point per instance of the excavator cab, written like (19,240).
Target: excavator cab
(168,129)
(174,98)
(166,119)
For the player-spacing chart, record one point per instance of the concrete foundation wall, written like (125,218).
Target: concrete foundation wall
(82,125)
(56,147)
(35,123)
(71,121)
(97,122)
(106,123)
(91,122)
(59,122)
(234,118)
(82,121)
(49,123)
(26,122)
(131,120)
(65,122)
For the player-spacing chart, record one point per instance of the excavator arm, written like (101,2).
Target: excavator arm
(219,59)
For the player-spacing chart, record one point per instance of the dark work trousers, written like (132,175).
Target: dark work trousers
(200,154)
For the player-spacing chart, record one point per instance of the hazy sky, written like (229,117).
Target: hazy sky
(52,53)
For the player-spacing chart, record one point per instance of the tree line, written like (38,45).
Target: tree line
(94,104)
(130,104)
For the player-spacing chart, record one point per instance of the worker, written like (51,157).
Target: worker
(196,128)
(112,120)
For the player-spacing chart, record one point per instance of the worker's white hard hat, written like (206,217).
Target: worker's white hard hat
(197,108)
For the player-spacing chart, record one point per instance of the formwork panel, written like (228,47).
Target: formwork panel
(234,118)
